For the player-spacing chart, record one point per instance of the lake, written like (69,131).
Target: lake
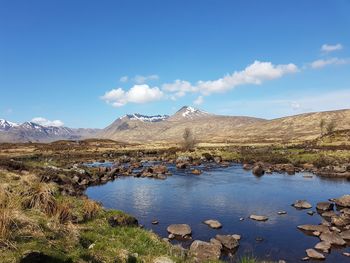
(228,194)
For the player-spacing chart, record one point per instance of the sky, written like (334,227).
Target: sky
(86,63)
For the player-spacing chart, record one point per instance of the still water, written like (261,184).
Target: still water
(227,194)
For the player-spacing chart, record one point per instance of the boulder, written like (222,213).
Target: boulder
(160,169)
(345,234)
(213,223)
(343,201)
(258,170)
(328,214)
(340,221)
(196,171)
(333,238)
(302,204)
(204,251)
(179,230)
(312,253)
(259,218)
(323,246)
(324,206)
(227,241)
(312,228)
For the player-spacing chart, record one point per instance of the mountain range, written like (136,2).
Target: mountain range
(205,126)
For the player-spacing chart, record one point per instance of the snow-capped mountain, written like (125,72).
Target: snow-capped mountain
(31,131)
(146,118)
(189,113)
(6,125)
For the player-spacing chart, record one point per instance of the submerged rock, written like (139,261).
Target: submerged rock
(204,251)
(259,218)
(302,204)
(312,253)
(213,223)
(179,230)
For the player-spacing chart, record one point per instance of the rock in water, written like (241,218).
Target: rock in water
(258,170)
(312,253)
(179,230)
(324,206)
(343,201)
(302,204)
(323,246)
(333,238)
(213,223)
(259,218)
(227,241)
(204,251)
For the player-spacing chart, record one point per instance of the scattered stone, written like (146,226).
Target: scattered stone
(312,253)
(204,251)
(155,222)
(324,206)
(305,259)
(343,201)
(328,214)
(180,230)
(160,169)
(259,218)
(323,246)
(340,221)
(236,236)
(241,218)
(347,254)
(213,223)
(227,241)
(218,159)
(302,204)
(333,238)
(196,171)
(171,236)
(310,213)
(312,228)
(258,170)
(181,165)
(345,234)
(281,212)
(216,242)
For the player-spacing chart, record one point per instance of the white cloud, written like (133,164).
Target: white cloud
(320,63)
(137,94)
(45,122)
(139,79)
(255,74)
(330,48)
(124,79)
(199,100)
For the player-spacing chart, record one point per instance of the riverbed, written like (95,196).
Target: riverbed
(228,194)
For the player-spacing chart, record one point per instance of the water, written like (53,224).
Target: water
(227,194)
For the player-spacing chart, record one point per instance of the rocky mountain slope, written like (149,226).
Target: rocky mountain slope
(30,131)
(216,128)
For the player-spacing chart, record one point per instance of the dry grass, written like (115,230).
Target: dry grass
(63,212)
(90,209)
(40,196)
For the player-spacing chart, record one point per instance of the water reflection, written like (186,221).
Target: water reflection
(226,194)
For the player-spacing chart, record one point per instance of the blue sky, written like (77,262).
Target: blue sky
(86,63)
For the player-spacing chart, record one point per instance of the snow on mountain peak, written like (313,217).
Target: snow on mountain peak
(5,125)
(145,118)
(190,112)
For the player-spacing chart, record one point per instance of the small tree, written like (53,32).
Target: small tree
(322,126)
(189,140)
(331,126)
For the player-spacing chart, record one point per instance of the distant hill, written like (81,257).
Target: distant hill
(30,131)
(209,127)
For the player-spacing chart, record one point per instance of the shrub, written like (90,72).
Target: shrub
(90,209)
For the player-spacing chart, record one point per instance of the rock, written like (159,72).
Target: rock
(343,201)
(207,157)
(216,242)
(213,223)
(345,211)
(236,236)
(312,228)
(281,212)
(241,218)
(258,218)
(312,253)
(258,170)
(308,166)
(184,159)
(324,206)
(171,236)
(196,171)
(310,213)
(122,220)
(333,238)
(347,254)
(323,246)
(160,169)
(340,221)
(204,251)
(155,222)
(340,169)
(328,214)
(179,230)
(227,241)
(305,259)
(259,239)
(181,165)
(247,166)
(163,260)
(218,159)
(302,204)
(345,234)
